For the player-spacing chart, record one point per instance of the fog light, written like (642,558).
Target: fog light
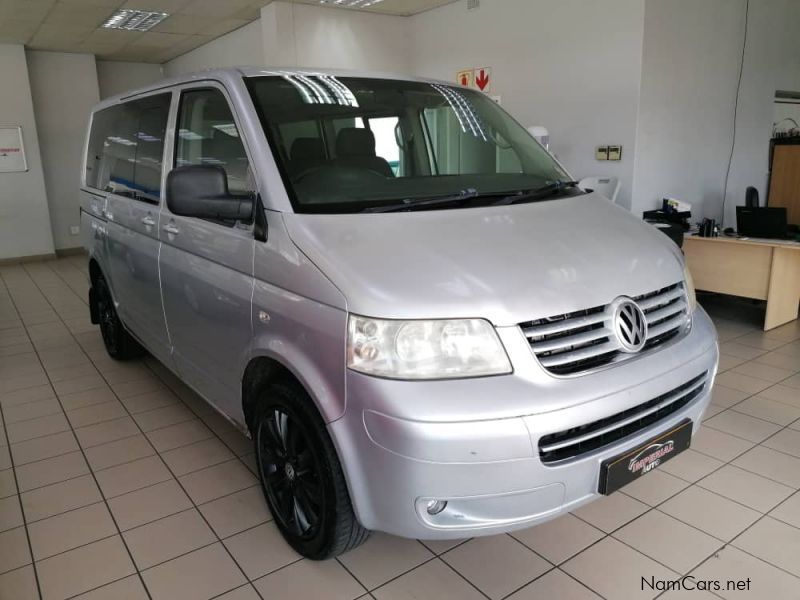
(436,506)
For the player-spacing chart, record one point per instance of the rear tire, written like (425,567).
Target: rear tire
(301,476)
(119,344)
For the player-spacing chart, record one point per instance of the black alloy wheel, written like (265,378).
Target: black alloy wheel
(301,476)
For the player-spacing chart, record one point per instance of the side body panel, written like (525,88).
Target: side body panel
(206,274)
(299,319)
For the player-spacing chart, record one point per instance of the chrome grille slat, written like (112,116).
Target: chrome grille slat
(579,441)
(581,341)
(562,326)
(563,358)
(662,313)
(602,431)
(662,328)
(648,303)
(570,340)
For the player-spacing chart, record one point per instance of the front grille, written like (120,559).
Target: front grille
(580,341)
(577,441)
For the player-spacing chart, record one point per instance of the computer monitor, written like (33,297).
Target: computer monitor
(763,222)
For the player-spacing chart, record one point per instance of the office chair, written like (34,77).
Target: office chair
(751,198)
(607,186)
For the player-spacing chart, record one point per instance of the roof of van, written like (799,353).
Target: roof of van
(233,73)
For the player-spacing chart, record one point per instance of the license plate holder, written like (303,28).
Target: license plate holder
(621,470)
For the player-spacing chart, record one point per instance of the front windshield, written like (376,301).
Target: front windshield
(349,144)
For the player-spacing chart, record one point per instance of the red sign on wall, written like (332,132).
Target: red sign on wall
(483,78)
(476,78)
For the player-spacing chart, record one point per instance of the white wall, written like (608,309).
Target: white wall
(691,62)
(64,89)
(307,36)
(240,47)
(24,218)
(332,37)
(115,77)
(573,66)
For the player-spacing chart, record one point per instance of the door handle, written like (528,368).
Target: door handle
(171,229)
(148,221)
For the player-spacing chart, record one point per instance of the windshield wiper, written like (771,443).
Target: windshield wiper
(543,193)
(412,203)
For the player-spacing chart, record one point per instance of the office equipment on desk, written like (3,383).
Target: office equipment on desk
(751,197)
(767,222)
(708,228)
(755,268)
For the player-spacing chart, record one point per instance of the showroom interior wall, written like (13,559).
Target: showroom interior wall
(115,77)
(64,89)
(690,72)
(573,66)
(299,35)
(240,47)
(24,216)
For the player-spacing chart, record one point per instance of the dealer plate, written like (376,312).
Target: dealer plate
(621,470)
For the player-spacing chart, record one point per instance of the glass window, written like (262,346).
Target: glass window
(385,130)
(387,143)
(126,148)
(207,135)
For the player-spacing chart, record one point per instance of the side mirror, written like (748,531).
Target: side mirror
(202,191)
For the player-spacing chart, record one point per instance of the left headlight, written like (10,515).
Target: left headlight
(440,349)
(688,282)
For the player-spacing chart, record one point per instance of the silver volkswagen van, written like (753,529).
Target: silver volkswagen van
(424,325)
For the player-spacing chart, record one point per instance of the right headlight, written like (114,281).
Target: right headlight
(438,349)
(688,284)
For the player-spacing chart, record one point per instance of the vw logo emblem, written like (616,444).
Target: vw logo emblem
(629,325)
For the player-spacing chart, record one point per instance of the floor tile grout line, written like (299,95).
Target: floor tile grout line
(657,507)
(19,496)
(96,482)
(194,504)
(762,514)
(726,409)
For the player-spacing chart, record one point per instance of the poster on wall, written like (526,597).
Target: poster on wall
(12,151)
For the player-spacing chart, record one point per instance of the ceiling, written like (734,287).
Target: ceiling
(74,25)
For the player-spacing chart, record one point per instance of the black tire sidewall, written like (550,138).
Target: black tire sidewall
(295,403)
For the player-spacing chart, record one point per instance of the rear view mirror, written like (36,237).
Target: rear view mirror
(202,191)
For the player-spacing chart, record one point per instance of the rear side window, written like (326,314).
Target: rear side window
(126,148)
(207,135)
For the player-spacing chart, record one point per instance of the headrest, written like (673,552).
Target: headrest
(305,148)
(353,141)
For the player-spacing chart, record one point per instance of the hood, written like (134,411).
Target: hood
(508,264)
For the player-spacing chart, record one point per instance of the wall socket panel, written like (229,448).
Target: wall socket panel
(74,230)
(608,153)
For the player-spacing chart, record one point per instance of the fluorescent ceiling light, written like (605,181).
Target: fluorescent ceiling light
(132,19)
(351,3)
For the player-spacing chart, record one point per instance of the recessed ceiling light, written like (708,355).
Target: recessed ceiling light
(351,3)
(132,19)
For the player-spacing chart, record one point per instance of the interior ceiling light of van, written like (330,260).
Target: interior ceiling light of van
(321,89)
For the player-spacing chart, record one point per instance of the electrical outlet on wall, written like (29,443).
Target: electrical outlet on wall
(601,153)
(74,230)
(615,153)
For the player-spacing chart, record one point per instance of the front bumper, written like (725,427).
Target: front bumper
(474,443)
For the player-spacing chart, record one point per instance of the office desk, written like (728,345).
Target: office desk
(754,268)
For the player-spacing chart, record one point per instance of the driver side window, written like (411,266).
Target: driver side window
(207,135)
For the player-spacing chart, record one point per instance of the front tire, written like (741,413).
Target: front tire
(119,344)
(301,477)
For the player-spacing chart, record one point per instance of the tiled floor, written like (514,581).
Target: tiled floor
(116,482)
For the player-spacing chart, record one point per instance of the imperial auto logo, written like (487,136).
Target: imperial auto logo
(650,457)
